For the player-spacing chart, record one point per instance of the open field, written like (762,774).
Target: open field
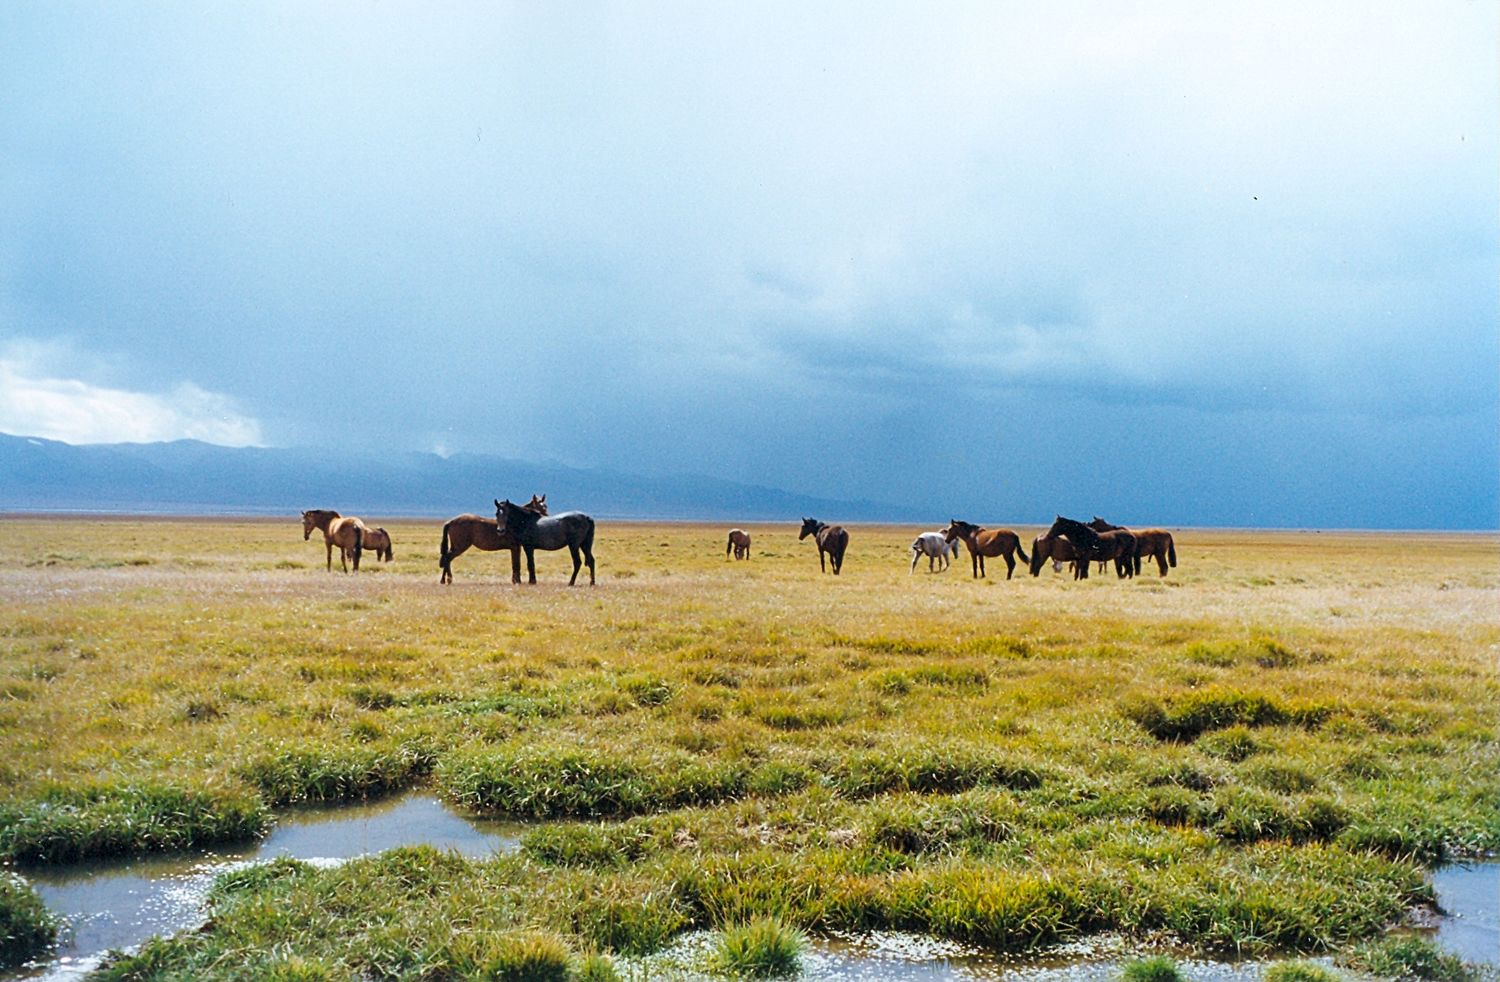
(1260,751)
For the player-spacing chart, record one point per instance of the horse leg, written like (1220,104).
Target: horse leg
(515,564)
(979,557)
(530,564)
(329,544)
(915,555)
(588,557)
(1010,565)
(577,564)
(823,569)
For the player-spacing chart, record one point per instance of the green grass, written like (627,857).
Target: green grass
(1155,969)
(712,744)
(27,928)
(761,949)
(1409,957)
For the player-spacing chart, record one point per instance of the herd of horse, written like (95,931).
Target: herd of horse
(526,528)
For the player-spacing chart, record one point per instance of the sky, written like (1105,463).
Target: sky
(1173,263)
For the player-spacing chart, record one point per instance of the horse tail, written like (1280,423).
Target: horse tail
(1021,551)
(444,556)
(359,539)
(729,546)
(390,553)
(1171,551)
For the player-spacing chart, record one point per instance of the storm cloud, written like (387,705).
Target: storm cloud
(1163,262)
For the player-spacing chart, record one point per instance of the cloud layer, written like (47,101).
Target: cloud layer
(829,246)
(76,412)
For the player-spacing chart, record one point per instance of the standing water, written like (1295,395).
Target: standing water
(119,904)
(1469,896)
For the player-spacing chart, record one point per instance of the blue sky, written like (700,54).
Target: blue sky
(1164,262)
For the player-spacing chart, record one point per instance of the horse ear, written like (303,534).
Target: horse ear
(542,499)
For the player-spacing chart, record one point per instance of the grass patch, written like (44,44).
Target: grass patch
(65,824)
(764,948)
(1158,968)
(301,775)
(27,928)
(1410,957)
(1191,715)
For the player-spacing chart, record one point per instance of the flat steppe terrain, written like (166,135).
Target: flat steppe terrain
(1263,750)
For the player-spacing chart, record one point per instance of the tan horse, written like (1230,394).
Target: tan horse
(485,534)
(984,542)
(1154,544)
(739,544)
(378,540)
(832,540)
(346,533)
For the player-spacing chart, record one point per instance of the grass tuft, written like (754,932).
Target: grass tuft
(1158,968)
(27,927)
(764,948)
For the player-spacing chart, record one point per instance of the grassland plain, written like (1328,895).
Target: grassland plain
(1259,752)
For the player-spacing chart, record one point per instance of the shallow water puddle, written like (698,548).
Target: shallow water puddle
(895,956)
(121,903)
(1470,897)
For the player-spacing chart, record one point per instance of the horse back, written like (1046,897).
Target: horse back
(834,538)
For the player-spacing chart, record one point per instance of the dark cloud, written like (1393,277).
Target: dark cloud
(710,240)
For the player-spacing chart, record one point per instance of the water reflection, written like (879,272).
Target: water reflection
(120,903)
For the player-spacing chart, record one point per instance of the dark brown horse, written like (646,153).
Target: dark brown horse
(739,544)
(1154,544)
(378,541)
(572,529)
(1092,546)
(832,540)
(984,542)
(346,533)
(1054,547)
(474,531)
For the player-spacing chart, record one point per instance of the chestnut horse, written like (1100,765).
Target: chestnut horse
(573,529)
(739,544)
(984,542)
(346,533)
(1090,545)
(378,540)
(832,540)
(485,534)
(1054,547)
(1154,544)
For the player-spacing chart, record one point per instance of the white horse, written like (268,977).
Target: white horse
(934,547)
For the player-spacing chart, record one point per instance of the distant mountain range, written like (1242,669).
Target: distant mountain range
(189,477)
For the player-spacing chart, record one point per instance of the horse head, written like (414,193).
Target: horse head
(512,517)
(307,525)
(809,527)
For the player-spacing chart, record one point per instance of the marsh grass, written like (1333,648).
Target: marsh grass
(1246,767)
(764,948)
(27,928)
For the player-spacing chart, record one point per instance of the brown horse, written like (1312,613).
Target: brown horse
(832,540)
(739,544)
(1117,545)
(346,533)
(984,542)
(1154,544)
(485,534)
(378,540)
(1056,548)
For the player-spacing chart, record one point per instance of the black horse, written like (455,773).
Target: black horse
(831,539)
(573,529)
(1092,546)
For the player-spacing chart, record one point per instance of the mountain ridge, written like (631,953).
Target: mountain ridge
(193,477)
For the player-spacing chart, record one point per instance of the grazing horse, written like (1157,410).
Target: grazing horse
(934,547)
(984,542)
(346,533)
(378,540)
(832,540)
(573,529)
(739,544)
(1154,544)
(465,531)
(1056,548)
(1091,546)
